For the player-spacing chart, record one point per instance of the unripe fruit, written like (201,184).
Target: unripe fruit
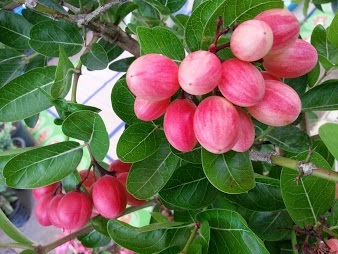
(91,178)
(216,124)
(74,210)
(52,210)
(242,83)
(284,25)
(40,192)
(153,77)
(200,72)
(280,106)
(251,40)
(119,166)
(268,76)
(41,211)
(178,125)
(246,132)
(294,62)
(109,197)
(147,110)
(131,200)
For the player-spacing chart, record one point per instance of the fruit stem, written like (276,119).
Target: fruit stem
(98,166)
(191,238)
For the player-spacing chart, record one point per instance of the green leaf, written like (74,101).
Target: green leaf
(138,142)
(332,31)
(111,50)
(42,166)
(36,62)
(229,172)
(160,40)
(14,30)
(299,84)
(299,142)
(194,156)
(230,234)
(94,239)
(123,10)
(88,126)
(99,223)
(322,97)
(158,6)
(313,75)
(311,197)
(327,65)
(148,176)
(69,183)
(149,239)
(271,226)
(63,76)
(326,132)
(48,36)
(11,65)
(189,188)
(158,217)
(320,147)
(96,58)
(34,17)
(266,196)
(32,120)
(122,101)
(200,29)
(174,6)
(19,97)
(121,65)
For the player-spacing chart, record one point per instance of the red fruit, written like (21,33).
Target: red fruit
(91,178)
(74,210)
(147,110)
(178,125)
(153,77)
(280,106)
(246,132)
(118,166)
(251,40)
(284,25)
(40,192)
(131,200)
(109,197)
(200,72)
(242,83)
(52,210)
(333,244)
(294,62)
(216,124)
(41,211)
(268,76)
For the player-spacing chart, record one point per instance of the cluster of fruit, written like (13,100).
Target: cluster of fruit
(219,122)
(105,195)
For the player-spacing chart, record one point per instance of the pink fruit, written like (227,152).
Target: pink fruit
(268,76)
(40,192)
(147,110)
(153,77)
(90,177)
(284,25)
(109,197)
(294,62)
(41,211)
(246,132)
(333,244)
(280,106)
(242,83)
(119,166)
(216,124)
(200,72)
(131,200)
(74,210)
(52,210)
(178,125)
(251,40)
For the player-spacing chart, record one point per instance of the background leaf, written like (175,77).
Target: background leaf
(332,31)
(121,65)
(96,58)
(326,132)
(194,156)
(11,65)
(111,50)
(94,239)
(174,6)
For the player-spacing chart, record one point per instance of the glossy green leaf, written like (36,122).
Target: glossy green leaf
(138,142)
(149,176)
(229,172)
(14,30)
(320,147)
(174,6)
(123,10)
(69,183)
(19,97)
(271,226)
(321,97)
(96,58)
(266,196)
(99,223)
(194,156)
(63,76)
(121,65)
(158,6)
(332,31)
(189,188)
(11,65)
(94,239)
(280,247)
(313,75)
(160,40)
(311,197)
(36,62)
(43,165)
(48,36)
(299,142)
(32,120)
(34,17)
(326,132)
(230,234)
(299,84)
(158,217)
(89,127)
(200,29)
(122,101)
(111,50)
(149,239)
